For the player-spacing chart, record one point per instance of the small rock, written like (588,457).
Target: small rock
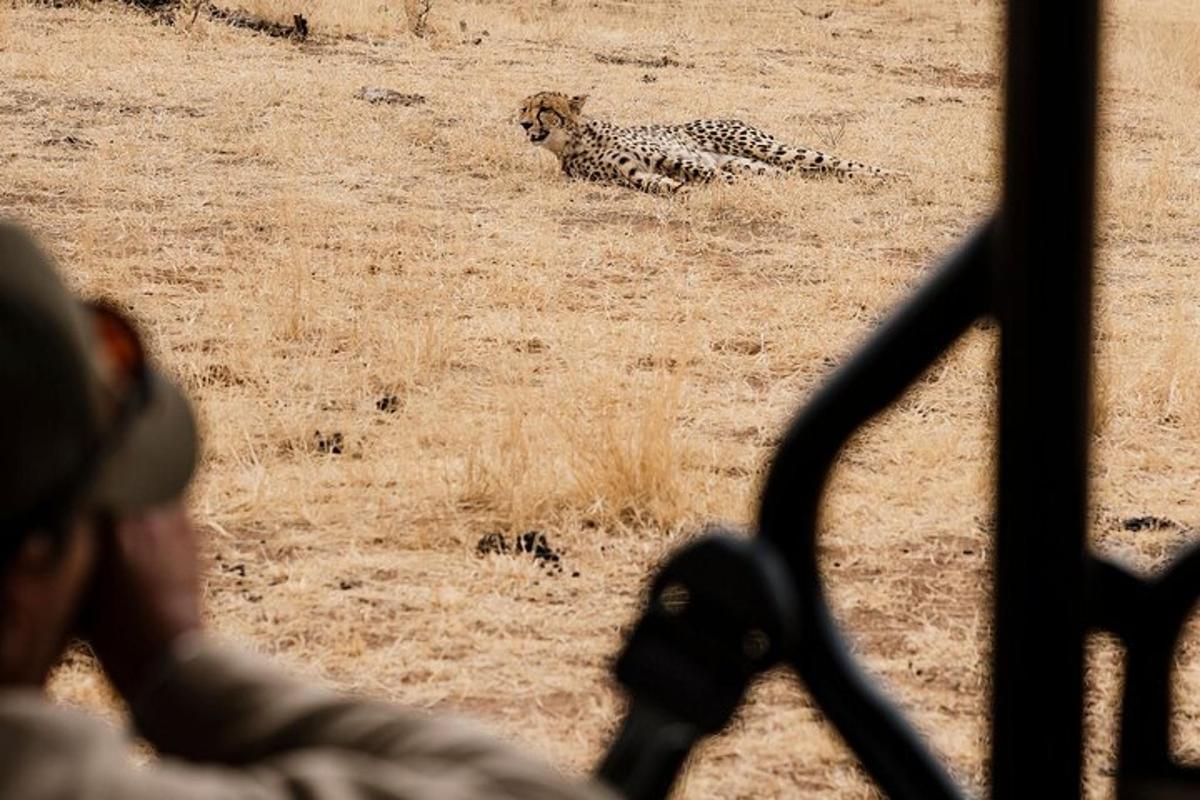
(534,345)
(69,140)
(534,543)
(332,443)
(491,543)
(376,94)
(1148,523)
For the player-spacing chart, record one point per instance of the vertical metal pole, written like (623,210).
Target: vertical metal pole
(1043,295)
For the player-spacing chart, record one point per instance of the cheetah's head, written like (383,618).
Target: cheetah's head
(549,117)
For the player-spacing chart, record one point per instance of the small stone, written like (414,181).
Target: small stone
(378,94)
(332,444)
(1148,523)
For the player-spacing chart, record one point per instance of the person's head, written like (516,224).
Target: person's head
(90,433)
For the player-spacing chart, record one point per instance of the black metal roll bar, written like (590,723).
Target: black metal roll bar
(725,609)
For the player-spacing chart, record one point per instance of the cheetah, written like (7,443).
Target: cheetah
(662,159)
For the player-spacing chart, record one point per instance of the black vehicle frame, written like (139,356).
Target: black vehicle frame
(724,609)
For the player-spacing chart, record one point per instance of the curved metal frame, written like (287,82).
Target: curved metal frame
(895,356)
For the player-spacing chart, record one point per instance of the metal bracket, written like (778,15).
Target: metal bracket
(719,613)
(1148,615)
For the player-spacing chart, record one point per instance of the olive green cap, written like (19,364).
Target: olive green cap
(64,447)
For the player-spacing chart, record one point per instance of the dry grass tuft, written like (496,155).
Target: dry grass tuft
(612,462)
(1165,382)
(627,464)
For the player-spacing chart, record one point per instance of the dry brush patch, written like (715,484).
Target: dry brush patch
(610,462)
(403,330)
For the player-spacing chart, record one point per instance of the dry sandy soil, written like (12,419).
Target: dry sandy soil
(498,349)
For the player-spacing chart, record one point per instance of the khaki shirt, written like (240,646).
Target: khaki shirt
(228,727)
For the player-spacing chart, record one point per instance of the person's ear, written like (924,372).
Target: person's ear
(43,583)
(34,556)
(22,593)
(23,577)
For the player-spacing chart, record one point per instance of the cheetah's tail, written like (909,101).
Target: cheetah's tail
(805,160)
(857,169)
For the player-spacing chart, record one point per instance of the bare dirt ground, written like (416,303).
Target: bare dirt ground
(403,330)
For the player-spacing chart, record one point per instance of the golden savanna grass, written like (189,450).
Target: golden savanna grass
(609,368)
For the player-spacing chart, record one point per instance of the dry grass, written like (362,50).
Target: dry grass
(607,367)
(614,463)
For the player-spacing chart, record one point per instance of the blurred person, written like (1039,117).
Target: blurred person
(96,544)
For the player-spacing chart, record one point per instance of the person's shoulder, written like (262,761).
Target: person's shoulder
(45,748)
(28,715)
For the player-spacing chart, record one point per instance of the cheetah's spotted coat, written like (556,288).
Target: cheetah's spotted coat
(664,158)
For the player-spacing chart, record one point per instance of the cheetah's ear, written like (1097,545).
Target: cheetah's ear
(577,102)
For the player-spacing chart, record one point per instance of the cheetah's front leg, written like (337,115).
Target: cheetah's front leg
(690,168)
(653,183)
(636,175)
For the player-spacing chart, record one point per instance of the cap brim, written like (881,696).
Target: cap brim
(156,458)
